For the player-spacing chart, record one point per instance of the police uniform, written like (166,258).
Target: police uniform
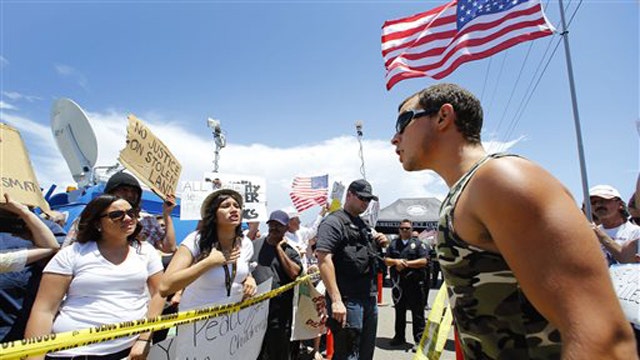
(408,287)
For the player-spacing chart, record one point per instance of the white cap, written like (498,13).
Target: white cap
(292,212)
(604,191)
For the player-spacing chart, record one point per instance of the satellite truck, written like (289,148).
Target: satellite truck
(77,142)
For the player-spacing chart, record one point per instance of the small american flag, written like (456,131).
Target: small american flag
(434,43)
(309,191)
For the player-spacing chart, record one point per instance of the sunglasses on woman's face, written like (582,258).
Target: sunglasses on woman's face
(118,215)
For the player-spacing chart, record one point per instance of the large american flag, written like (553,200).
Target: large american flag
(436,42)
(309,191)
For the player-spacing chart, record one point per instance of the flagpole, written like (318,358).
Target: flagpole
(576,115)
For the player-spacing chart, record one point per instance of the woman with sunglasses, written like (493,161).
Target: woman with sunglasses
(212,263)
(102,278)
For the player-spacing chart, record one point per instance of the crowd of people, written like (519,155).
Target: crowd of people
(526,271)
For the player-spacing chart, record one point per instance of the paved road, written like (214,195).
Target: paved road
(386,320)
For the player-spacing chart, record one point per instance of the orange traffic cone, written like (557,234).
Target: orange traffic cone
(329,344)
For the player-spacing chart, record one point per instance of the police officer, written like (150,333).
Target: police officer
(407,258)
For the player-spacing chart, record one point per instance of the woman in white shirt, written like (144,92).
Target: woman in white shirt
(104,275)
(212,263)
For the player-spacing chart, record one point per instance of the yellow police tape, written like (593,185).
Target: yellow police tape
(21,349)
(437,328)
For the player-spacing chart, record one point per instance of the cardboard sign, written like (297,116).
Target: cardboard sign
(149,159)
(235,336)
(308,311)
(192,195)
(337,192)
(16,174)
(625,282)
(252,188)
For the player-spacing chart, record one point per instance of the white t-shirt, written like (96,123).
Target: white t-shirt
(623,233)
(101,292)
(209,289)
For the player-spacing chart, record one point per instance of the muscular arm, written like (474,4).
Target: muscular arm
(532,220)
(328,275)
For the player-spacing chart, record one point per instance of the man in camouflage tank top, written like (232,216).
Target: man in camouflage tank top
(524,271)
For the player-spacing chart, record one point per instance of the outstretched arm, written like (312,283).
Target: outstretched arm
(530,218)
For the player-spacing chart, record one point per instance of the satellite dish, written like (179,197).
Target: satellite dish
(75,139)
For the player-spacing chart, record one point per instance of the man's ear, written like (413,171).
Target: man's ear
(446,115)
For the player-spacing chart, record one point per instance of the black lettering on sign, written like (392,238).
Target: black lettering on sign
(140,129)
(25,185)
(136,146)
(249,214)
(251,193)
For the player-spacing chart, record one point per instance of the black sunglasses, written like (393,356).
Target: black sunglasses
(405,118)
(405,228)
(363,198)
(118,215)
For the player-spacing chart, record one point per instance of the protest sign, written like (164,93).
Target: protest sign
(252,188)
(192,195)
(232,336)
(17,176)
(337,192)
(308,311)
(149,159)
(625,282)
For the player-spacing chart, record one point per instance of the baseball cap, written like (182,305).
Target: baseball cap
(209,199)
(279,216)
(363,189)
(604,191)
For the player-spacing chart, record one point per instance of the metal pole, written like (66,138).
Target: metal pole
(576,115)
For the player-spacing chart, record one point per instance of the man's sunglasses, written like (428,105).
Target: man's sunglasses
(362,198)
(405,118)
(118,215)
(405,228)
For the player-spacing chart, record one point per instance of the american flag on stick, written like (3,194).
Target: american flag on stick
(309,191)
(434,43)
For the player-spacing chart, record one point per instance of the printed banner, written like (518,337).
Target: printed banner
(308,311)
(149,159)
(625,282)
(192,195)
(18,178)
(231,336)
(252,188)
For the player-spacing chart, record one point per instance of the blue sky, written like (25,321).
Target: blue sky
(289,79)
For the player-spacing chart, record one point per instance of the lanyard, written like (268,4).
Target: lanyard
(228,278)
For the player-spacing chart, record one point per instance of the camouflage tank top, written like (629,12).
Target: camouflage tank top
(494,318)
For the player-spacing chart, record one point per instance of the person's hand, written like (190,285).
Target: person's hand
(175,299)
(381,239)
(140,350)
(13,206)
(219,258)
(168,205)
(400,264)
(249,287)
(313,269)
(339,313)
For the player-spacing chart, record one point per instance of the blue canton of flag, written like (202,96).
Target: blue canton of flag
(320,182)
(471,9)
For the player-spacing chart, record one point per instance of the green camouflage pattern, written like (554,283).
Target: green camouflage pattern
(494,318)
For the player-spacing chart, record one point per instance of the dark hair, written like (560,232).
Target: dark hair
(209,228)
(467,107)
(90,219)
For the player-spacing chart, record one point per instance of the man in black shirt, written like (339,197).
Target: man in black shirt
(274,258)
(407,258)
(347,259)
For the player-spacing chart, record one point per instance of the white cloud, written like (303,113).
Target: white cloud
(6,106)
(68,71)
(3,61)
(337,157)
(16,96)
